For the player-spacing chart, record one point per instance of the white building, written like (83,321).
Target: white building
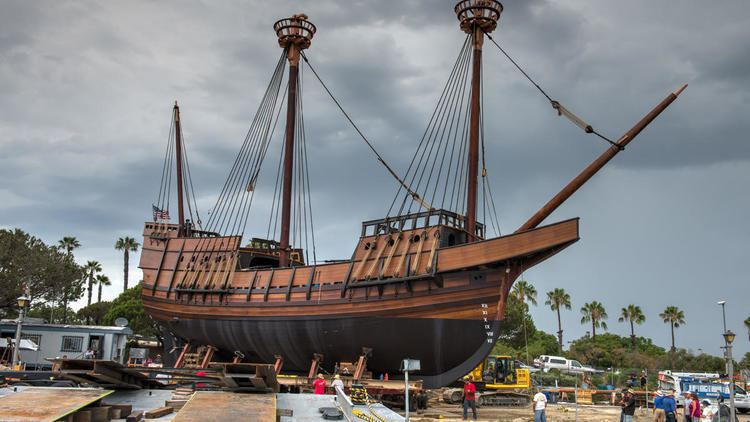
(71,341)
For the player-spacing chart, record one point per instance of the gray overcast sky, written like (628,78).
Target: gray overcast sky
(86,90)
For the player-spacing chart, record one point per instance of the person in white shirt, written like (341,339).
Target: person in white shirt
(540,403)
(337,383)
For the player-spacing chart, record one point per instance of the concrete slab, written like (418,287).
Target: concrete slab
(304,407)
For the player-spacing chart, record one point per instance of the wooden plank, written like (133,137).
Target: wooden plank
(125,409)
(158,412)
(224,406)
(175,404)
(135,416)
(47,404)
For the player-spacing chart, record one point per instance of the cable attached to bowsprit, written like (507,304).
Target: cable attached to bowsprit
(561,111)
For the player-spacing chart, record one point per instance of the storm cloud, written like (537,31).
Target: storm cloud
(86,90)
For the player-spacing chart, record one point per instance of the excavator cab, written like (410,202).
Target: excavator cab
(499,370)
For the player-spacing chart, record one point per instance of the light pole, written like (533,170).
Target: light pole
(23,303)
(728,339)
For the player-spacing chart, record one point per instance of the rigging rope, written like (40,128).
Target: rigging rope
(561,111)
(416,196)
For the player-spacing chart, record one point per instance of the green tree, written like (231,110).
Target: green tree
(674,317)
(27,262)
(43,310)
(129,305)
(633,315)
(745,362)
(511,327)
(747,325)
(102,280)
(68,244)
(555,299)
(525,292)
(90,270)
(611,350)
(94,312)
(127,245)
(594,313)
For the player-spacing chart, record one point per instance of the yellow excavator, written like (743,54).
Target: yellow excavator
(499,383)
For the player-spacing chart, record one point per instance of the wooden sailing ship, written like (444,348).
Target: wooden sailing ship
(427,284)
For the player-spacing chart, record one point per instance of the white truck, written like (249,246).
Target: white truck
(546,362)
(705,385)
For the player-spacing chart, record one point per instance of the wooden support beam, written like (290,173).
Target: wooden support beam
(310,282)
(347,278)
(291,283)
(252,284)
(374,264)
(158,270)
(181,357)
(268,286)
(174,270)
(390,256)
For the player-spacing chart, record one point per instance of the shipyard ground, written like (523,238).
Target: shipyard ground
(440,412)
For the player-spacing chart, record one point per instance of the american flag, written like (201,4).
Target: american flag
(159,214)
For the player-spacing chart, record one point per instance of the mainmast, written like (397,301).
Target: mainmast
(476,17)
(178,157)
(295,34)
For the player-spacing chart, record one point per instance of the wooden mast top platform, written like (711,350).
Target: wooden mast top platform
(295,30)
(482,14)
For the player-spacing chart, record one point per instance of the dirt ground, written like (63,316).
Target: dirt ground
(555,413)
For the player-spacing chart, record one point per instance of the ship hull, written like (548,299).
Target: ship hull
(440,344)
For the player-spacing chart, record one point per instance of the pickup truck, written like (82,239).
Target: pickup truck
(546,363)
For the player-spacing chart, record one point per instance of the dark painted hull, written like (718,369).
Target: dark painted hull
(440,344)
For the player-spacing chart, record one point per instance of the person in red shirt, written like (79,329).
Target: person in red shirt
(470,391)
(320,385)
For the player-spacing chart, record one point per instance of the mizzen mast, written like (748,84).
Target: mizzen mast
(178,158)
(476,18)
(295,34)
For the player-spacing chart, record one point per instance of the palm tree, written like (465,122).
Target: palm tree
(102,280)
(747,325)
(525,291)
(127,245)
(68,243)
(634,315)
(594,313)
(555,299)
(674,317)
(90,270)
